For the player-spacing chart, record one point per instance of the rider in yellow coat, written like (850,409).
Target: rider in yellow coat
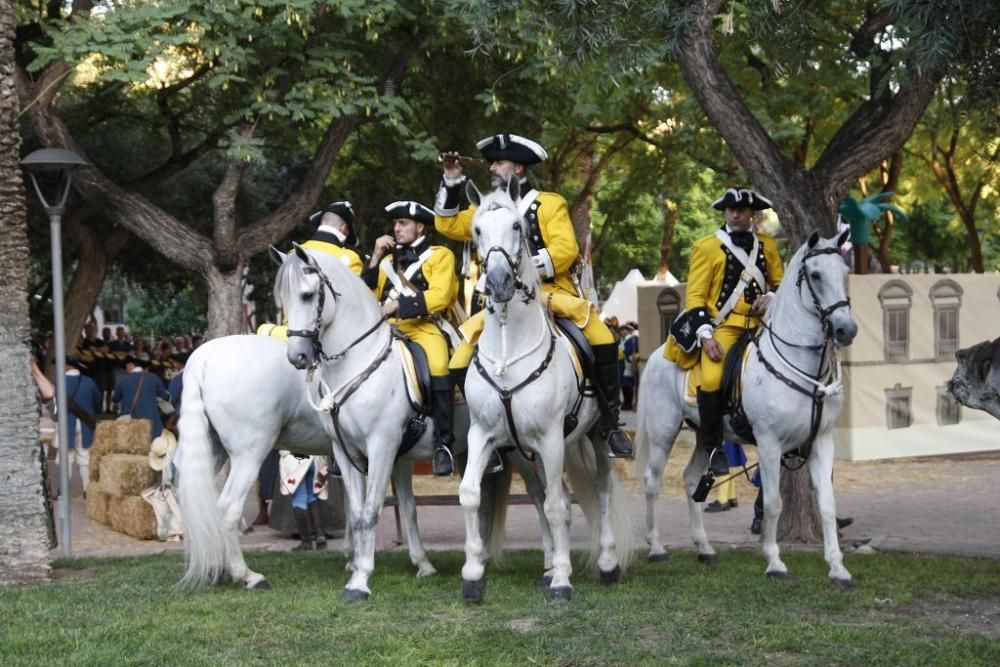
(731,281)
(335,236)
(554,251)
(416,285)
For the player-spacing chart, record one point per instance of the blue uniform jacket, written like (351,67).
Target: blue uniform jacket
(84,392)
(175,389)
(145,407)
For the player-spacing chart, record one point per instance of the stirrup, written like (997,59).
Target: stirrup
(718,464)
(434,462)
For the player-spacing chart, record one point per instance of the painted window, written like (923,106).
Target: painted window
(668,304)
(896,298)
(949,410)
(898,411)
(946,297)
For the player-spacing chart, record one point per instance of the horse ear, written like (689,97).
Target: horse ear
(513,189)
(301,253)
(277,256)
(844,237)
(473,193)
(813,240)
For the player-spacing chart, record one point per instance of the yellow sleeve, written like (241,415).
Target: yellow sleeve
(557,232)
(699,281)
(353,262)
(456,227)
(772,259)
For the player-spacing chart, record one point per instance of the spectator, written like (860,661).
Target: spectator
(630,365)
(83,400)
(119,346)
(726,490)
(137,391)
(304,478)
(176,387)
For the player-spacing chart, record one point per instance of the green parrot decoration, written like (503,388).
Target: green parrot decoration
(860,214)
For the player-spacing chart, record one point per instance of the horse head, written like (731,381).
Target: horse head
(301,289)
(822,283)
(499,233)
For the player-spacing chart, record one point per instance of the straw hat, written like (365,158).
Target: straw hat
(161,449)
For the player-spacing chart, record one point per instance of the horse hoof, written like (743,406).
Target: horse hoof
(545,582)
(659,558)
(355,595)
(708,559)
(845,584)
(473,591)
(611,577)
(777,574)
(262,585)
(560,593)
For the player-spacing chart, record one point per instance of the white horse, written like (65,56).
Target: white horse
(335,325)
(241,399)
(792,393)
(523,386)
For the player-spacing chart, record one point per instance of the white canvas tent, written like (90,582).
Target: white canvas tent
(623,302)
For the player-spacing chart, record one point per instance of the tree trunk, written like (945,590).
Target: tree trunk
(799,520)
(671,213)
(95,252)
(225,292)
(24,554)
(579,212)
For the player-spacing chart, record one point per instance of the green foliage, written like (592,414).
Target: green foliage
(932,239)
(907,610)
(158,310)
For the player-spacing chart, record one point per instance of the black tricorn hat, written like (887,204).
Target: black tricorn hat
(75,362)
(740,197)
(410,209)
(511,147)
(138,361)
(346,213)
(180,357)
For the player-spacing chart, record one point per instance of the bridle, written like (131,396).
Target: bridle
(527,291)
(318,354)
(822,312)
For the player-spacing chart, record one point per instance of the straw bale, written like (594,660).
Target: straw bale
(105,437)
(133,436)
(125,474)
(133,516)
(97,504)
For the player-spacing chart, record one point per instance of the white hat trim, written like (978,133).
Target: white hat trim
(534,147)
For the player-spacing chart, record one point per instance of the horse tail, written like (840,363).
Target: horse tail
(494,498)
(206,546)
(581,466)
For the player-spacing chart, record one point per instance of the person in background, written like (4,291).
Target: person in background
(304,478)
(630,365)
(726,489)
(137,391)
(83,400)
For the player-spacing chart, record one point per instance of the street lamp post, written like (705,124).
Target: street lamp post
(62,162)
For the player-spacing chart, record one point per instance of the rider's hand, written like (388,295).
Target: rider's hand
(390,308)
(383,245)
(760,304)
(712,348)
(450,165)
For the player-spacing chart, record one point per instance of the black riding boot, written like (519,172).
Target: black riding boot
(443,397)
(319,534)
(609,389)
(304,525)
(711,407)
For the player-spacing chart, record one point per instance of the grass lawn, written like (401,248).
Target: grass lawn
(906,610)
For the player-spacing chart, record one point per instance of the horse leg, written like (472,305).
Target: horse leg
(769,455)
(536,491)
(380,456)
(821,471)
(469,496)
(607,560)
(242,473)
(652,478)
(552,451)
(402,476)
(692,475)
(354,494)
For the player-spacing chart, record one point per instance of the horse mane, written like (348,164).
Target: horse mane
(500,200)
(294,268)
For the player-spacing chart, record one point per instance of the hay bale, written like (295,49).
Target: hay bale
(105,436)
(97,504)
(125,474)
(133,436)
(133,516)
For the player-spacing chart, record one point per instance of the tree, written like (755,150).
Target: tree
(217,82)
(23,533)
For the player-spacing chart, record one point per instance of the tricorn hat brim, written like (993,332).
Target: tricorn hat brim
(742,198)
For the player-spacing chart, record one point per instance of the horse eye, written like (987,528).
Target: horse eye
(815,275)
(477,230)
(307,296)
(517,226)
